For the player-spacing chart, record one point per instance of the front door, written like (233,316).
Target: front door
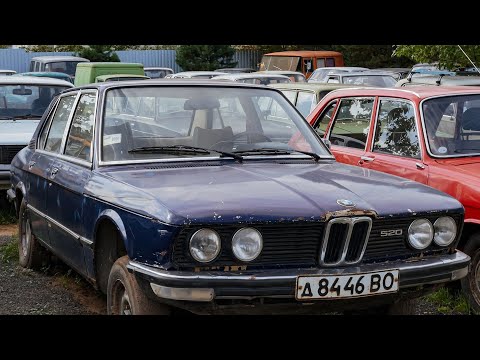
(396,147)
(348,133)
(70,173)
(41,163)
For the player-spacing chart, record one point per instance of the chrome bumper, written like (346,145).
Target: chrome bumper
(209,285)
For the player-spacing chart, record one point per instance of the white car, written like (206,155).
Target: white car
(23,100)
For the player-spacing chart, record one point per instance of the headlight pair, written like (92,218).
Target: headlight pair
(205,244)
(421,232)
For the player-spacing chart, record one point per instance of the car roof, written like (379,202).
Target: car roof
(317,87)
(157,68)
(278,72)
(363,73)
(411,92)
(304,53)
(44,74)
(167,82)
(215,73)
(58,58)
(344,68)
(33,80)
(444,80)
(255,75)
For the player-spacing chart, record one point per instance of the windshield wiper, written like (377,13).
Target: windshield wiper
(185,149)
(27,116)
(267,151)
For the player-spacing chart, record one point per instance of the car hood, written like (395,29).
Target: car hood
(264,192)
(17,132)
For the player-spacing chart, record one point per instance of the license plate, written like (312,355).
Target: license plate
(346,286)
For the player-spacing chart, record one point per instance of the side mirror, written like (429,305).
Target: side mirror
(327,143)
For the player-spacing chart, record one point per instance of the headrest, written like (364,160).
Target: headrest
(471,119)
(201,103)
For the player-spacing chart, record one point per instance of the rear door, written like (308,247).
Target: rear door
(70,173)
(395,146)
(41,164)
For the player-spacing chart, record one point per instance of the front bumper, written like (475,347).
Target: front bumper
(212,285)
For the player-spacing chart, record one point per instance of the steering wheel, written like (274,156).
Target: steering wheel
(261,138)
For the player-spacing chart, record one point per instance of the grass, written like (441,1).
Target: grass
(9,250)
(449,301)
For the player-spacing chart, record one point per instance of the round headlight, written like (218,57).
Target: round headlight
(205,245)
(445,231)
(420,234)
(247,244)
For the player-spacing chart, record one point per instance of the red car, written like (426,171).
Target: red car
(424,133)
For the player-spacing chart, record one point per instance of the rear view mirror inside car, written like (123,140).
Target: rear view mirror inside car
(22,91)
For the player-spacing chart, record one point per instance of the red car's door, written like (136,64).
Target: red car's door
(395,147)
(349,129)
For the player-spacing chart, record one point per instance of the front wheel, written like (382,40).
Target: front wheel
(126,297)
(471,282)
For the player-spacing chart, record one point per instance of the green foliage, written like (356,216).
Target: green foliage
(371,56)
(99,53)
(449,302)
(9,251)
(7,216)
(448,56)
(52,48)
(205,57)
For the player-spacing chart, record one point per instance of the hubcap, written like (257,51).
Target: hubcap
(26,236)
(125,308)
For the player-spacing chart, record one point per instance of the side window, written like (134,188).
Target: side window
(330,62)
(352,123)
(79,141)
(395,131)
(32,66)
(58,124)
(305,102)
(37,66)
(333,80)
(320,63)
(324,119)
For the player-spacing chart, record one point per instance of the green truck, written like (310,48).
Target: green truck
(91,72)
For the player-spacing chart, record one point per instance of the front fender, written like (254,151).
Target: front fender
(113,217)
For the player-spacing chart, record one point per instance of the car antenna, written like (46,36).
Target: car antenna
(464,53)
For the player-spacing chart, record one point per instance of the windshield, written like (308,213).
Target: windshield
(453,125)
(289,63)
(26,100)
(370,80)
(138,121)
(67,67)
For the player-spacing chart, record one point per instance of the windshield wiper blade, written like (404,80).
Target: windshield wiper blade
(184,148)
(267,151)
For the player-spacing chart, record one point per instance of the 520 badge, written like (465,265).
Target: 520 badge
(345,286)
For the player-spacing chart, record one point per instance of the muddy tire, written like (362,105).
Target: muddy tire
(31,254)
(126,297)
(471,282)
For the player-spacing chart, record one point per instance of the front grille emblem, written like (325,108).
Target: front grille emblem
(345,202)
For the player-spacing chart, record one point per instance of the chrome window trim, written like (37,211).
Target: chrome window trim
(425,136)
(350,221)
(380,98)
(73,234)
(69,121)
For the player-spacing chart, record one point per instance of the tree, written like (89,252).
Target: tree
(205,57)
(52,48)
(99,53)
(447,56)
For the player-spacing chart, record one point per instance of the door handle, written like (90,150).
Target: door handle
(53,172)
(420,166)
(367,158)
(31,164)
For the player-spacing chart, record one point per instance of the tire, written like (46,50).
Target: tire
(471,282)
(31,254)
(126,297)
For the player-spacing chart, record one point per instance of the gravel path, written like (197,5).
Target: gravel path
(55,291)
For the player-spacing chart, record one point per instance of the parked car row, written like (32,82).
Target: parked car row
(193,194)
